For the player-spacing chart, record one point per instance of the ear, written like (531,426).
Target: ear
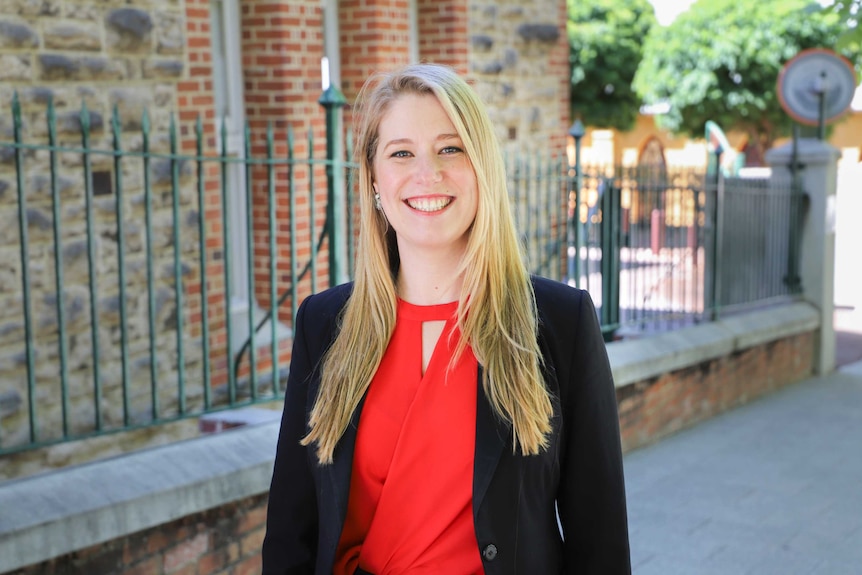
(374,187)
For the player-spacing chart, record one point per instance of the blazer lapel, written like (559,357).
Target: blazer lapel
(338,476)
(492,435)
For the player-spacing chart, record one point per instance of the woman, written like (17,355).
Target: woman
(446,408)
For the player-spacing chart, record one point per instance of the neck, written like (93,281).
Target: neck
(430,279)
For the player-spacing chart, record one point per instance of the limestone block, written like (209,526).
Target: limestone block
(162,69)
(74,305)
(129,30)
(11,332)
(39,220)
(73,36)
(37,98)
(547,33)
(164,95)
(491,68)
(17,35)
(10,402)
(32,7)
(169,33)
(15,67)
(75,262)
(130,104)
(482,42)
(513,12)
(87,12)
(40,185)
(77,68)
(162,171)
(8,231)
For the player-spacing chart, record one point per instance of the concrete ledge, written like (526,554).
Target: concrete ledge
(639,359)
(55,513)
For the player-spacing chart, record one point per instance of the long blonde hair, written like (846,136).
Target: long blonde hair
(496,309)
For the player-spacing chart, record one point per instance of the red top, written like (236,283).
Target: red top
(411,489)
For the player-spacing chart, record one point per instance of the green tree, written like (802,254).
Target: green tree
(850,13)
(720,61)
(605,48)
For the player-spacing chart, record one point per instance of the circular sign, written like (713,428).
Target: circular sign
(811,75)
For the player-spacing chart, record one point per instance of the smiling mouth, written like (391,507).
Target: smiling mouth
(428,204)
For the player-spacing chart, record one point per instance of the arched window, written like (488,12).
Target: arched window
(652,154)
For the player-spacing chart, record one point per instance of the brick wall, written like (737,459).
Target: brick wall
(227,539)
(656,407)
(222,541)
(443,33)
(374,36)
(282,45)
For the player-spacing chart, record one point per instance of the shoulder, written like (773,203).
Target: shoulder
(328,303)
(565,313)
(555,299)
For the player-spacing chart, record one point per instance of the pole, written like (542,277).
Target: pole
(332,101)
(577,132)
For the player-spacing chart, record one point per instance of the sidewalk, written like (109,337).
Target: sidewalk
(771,487)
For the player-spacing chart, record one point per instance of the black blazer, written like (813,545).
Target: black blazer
(515,498)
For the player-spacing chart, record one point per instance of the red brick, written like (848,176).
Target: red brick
(188,551)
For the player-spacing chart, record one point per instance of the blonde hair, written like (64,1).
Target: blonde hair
(496,309)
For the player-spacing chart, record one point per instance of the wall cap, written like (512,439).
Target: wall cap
(639,359)
(57,512)
(809,151)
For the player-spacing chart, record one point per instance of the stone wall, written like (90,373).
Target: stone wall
(103,56)
(519,61)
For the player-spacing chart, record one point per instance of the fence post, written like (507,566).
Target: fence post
(792,279)
(714,267)
(818,175)
(577,132)
(333,100)
(610,265)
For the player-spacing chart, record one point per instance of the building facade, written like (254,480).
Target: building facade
(132,315)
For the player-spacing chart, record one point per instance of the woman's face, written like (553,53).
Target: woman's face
(426,182)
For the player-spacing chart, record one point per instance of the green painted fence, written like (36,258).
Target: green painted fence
(100,333)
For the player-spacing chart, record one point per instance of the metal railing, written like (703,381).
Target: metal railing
(121,276)
(659,248)
(122,317)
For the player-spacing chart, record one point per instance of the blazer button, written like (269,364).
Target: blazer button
(489,552)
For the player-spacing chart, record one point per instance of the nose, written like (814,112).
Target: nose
(428,169)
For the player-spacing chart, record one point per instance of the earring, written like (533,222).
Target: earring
(377,203)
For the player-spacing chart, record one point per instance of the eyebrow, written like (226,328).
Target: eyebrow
(401,141)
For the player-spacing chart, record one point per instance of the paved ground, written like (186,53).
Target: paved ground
(771,487)
(775,486)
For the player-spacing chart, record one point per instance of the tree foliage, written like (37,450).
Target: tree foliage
(605,48)
(720,61)
(850,14)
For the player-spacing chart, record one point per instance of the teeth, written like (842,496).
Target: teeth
(429,204)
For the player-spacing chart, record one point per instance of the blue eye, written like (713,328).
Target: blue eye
(451,150)
(401,154)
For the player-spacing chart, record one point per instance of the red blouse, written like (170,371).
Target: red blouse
(411,490)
